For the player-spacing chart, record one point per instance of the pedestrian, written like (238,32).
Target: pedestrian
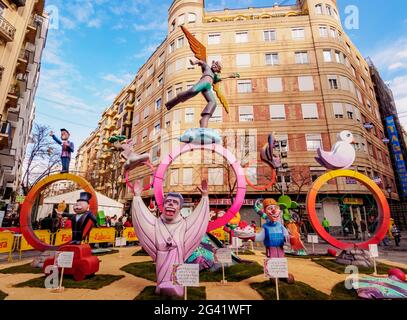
(363,228)
(326,224)
(356,228)
(396,235)
(119,227)
(113,221)
(128,223)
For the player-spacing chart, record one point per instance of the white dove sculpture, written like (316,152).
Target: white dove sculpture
(342,155)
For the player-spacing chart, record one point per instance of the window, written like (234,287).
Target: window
(174,178)
(357,114)
(329,10)
(176,118)
(275,84)
(323,32)
(146,113)
(187,176)
(160,81)
(169,94)
(214,58)
(180,42)
(158,104)
(244,86)
(301,57)
(179,64)
(338,57)
(344,83)
(121,107)
(318,9)
(178,89)
(309,111)
(157,127)
(136,119)
(277,112)
(272,59)
(243,60)
(348,47)
(315,174)
(333,32)
(161,58)
(172,47)
(167,120)
(181,19)
(298,33)
(306,83)
(144,135)
(173,26)
(149,90)
(150,71)
(338,110)
(246,114)
(349,111)
(327,56)
(215,176)
(333,82)
(214,38)
(314,141)
(353,71)
(336,15)
(247,145)
(191,17)
(242,37)
(138,100)
(281,142)
(190,115)
(217,115)
(269,35)
(170,68)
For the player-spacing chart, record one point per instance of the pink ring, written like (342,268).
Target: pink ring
(131,186)
(158,184)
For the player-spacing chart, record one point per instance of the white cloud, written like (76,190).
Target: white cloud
(151,26)
(122,79)
(393,56)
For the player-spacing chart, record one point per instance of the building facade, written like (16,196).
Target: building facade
(23,33)
(301,78)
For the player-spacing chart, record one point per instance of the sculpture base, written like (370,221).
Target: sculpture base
(355,257)
(170,290)
(84,264)
(201,136)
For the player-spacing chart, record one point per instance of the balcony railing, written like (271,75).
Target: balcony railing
(7,31)
(5,134)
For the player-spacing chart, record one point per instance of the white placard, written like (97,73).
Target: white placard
(120,242)
(186,275)
(236,242)
(276,268)
(223,255)
(374,250)
(64,259)
(312,238)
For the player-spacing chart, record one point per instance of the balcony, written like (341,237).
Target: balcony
(5,135)
(13,96)
(31,29)
(1,72)
(129,107)
(7,31)
(18,3)
(22,61)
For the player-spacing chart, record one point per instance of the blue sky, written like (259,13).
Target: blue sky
(98,46)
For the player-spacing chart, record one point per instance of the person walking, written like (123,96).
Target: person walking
(356,228)
(363,228)
(396,235)
(326,224)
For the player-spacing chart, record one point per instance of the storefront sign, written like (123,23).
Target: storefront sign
(228,202)
(353,201)
(397,153)
(186,275)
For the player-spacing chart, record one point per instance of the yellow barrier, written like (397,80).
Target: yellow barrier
(130,234)
(43,235)
(63,236)
(6,243)
(102,235)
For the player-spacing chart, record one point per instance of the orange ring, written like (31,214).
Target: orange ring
(25,215)
(263,187)
(381,201)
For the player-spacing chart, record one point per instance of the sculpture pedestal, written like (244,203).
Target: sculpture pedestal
(355,257)
(84,263)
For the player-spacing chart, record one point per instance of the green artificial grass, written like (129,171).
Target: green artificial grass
(296,291)
(92,283)
(245,252)
(141,252)
(114,251)
(234,273)
(339,292)
(25,268)
(3,295)
(198,293)
(309,256)
(145,270)
(332,265)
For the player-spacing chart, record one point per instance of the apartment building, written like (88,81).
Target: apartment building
(23,33)
(302,79)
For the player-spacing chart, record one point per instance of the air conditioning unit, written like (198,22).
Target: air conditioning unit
(368,125)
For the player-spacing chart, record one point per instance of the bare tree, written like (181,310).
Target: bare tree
(42,157)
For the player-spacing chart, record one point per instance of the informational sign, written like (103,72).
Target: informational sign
(312,238)
(223,255)
(353,201)
(398,154)
(276,268)
(64,259)
(121,242)
(373,250)
(186,275)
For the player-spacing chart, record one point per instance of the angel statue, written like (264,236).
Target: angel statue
(210,79)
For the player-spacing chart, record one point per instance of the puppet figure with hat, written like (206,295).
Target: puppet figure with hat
(67,148)
(81,217)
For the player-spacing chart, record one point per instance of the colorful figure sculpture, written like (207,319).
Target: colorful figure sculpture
(81,218)
(267,156)
(67,148)
(343,154)
(170,239)
(210,78)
